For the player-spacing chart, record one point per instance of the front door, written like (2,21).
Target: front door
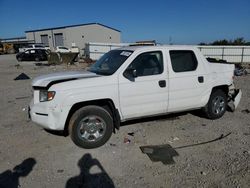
(147,92)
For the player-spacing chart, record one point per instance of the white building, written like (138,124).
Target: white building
(75,35)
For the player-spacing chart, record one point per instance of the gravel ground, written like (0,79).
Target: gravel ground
(32,157)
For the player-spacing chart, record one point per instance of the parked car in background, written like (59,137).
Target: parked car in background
(33,55)
(34,46)
(75,49)
(62,49)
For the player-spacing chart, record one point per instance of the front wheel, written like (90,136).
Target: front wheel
(90,127)
(216,106)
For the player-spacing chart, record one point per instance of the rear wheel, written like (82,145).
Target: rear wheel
(90,127)
(216,106)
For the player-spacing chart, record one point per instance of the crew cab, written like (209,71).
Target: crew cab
(130,83)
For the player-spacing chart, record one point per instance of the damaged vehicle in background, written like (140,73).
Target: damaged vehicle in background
(33,55)
(62,49)
(130,83)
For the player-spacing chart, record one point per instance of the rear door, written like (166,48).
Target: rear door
(187,80)
(146,94)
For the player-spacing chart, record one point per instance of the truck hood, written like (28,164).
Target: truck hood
(49,79)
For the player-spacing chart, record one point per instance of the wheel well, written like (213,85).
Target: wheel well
(224,88)
(107,104)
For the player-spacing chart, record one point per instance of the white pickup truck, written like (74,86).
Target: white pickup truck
(129,83)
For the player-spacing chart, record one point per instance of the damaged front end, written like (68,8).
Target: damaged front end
(234,97)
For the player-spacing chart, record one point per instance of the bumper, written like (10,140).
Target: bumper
(48,117)
(235,97)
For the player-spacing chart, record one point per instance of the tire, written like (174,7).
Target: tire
(19,59)
(90,127)
(216,106)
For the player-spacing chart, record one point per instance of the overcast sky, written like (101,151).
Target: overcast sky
(180,21)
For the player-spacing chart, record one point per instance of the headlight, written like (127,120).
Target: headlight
(46,95)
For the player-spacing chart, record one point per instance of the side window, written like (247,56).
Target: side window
(149,63)
(183,60)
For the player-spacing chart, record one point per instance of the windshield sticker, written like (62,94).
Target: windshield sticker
(124,53)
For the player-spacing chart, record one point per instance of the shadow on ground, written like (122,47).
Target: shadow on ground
(10,178)
(168,117)
(161,153)
(166,153)
(88,179)
(57,133)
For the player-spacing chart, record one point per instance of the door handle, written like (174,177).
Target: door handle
(201,79)
(162,83)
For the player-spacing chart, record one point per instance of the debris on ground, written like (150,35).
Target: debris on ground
(240,70)
(18,66)
(173,139)
(126,140)
(246,111)
(160,153)
(176,138)
(131,134)
(165,153)
(111,144)
(22,76)
(60,171)
(26,97)
(203,173)
(42,64)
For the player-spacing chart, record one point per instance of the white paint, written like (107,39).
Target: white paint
(132,98)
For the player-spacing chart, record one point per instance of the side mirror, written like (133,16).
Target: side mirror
(130,73)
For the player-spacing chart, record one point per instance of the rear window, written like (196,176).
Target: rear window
(183,60)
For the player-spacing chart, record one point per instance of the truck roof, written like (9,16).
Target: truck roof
(170,47)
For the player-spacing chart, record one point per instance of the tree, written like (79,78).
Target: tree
(221,42)
(238,41)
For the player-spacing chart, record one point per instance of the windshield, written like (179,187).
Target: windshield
(110,62)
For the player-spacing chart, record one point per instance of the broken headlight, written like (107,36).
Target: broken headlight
(46,95)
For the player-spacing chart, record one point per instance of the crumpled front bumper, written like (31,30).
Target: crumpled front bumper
(47,116)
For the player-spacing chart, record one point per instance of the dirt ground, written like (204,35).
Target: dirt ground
(189,151)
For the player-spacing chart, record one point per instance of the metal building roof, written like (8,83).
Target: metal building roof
(15,40)
(63,27)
